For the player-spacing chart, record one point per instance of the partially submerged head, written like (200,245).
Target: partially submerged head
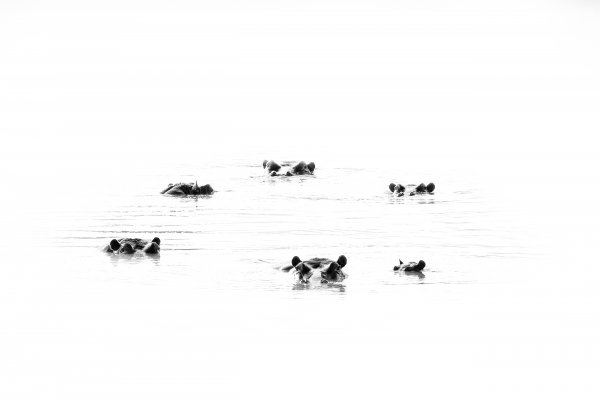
(311,167)
(204,189)
(156,240)
(421,264)
(430,187)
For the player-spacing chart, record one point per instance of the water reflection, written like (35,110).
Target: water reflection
(135,258)
(418,274)
(330,286)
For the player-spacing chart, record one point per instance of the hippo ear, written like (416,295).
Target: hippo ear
(296,260)
(333,267)
(342,261)
(115,245)
(265,163)
(392,187)
(400,261)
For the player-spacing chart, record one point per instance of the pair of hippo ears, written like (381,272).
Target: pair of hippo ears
(341,261)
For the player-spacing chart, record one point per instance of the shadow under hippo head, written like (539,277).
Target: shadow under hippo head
(187,189)
(131,246)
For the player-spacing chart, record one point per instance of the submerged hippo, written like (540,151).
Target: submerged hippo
(302,168)
(130,246)
(410,267)
(185,189)
(399,190)
(322,270)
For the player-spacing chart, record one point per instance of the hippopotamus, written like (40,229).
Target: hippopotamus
(410,267)
(399,190)
(301,168)
(326,270)
(185,189)
(130,246)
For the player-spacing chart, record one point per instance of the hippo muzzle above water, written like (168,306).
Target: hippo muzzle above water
(187,189)
(291,169)
(131,246)
(321,270)
(421,188)
(410,267)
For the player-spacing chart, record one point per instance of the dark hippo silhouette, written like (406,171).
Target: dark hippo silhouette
(410,267)
(130,246)
(301,168)
(187,189)
(323,270)
(399,190)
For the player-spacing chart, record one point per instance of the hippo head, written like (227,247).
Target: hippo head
(421,264)
(311,167)
(115,245)
(156,240)
(430,187)
(127,249)
(204,189)
(421,188)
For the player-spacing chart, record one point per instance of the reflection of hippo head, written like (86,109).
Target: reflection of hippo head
(430,188)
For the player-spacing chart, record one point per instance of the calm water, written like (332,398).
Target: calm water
(493,301)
